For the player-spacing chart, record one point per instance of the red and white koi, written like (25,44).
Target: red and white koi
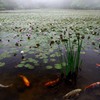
(98,65)
(92,85)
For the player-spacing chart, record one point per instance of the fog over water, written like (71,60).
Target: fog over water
(52,3)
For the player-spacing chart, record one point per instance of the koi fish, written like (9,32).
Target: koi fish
(92,85)
(52,83)
(72,93)
(26,81)
(98,65)
(5,86)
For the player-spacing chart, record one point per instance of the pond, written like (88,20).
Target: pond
(28,47)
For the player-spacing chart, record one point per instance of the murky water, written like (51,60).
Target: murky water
(9,75)
(39,75)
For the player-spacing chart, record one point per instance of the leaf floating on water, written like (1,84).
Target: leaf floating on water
(20,65)
(64,64)
(30,59)
(49,67)
(97,51)
(53,55)
(29,66)
(23,62)
(2,64)
(53,60)
(31,52)
(83,52)
(45,61)
(58,66)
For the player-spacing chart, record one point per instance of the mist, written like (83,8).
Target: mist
(30,4)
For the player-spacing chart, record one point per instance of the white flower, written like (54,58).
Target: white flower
(22,52)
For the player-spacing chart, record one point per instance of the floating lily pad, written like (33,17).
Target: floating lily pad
(58,66)
(31,52)
(2,64)
(53,60)
(49,67)
(97,51)
(64,64)
(20,65)
(52,55)
(23,62)
(30,59)
(29,66)
(83,52)
(45,61)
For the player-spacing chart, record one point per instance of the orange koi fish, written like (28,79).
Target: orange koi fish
(26,81)
(98,65)
(92,85)
(52,83)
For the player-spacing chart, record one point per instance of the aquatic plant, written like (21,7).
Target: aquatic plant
(72,54)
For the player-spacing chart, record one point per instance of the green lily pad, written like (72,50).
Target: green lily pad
(2,64)
(20,65)
(83,52)
(58,66)
(64,64)
(97,51)
(31,52)
(23,62)
(45,61)
(30,59)
(49,67)
(53,60)
(29,66)
(52,55)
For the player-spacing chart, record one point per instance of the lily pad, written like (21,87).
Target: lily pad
(49,67)
(64,64)
(30,59)
(2,64)
(31,52)
(52,55)
(20,65)
(58,66)
(45,61)
(29,66)
(53,60)
(83,52)
(23,62)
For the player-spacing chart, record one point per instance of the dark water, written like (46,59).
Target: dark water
(39,76)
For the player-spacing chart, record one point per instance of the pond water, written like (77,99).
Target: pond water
(35,33)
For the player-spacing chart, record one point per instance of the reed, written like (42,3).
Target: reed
(72,54)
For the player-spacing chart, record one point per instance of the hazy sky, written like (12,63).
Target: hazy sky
(56,3)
